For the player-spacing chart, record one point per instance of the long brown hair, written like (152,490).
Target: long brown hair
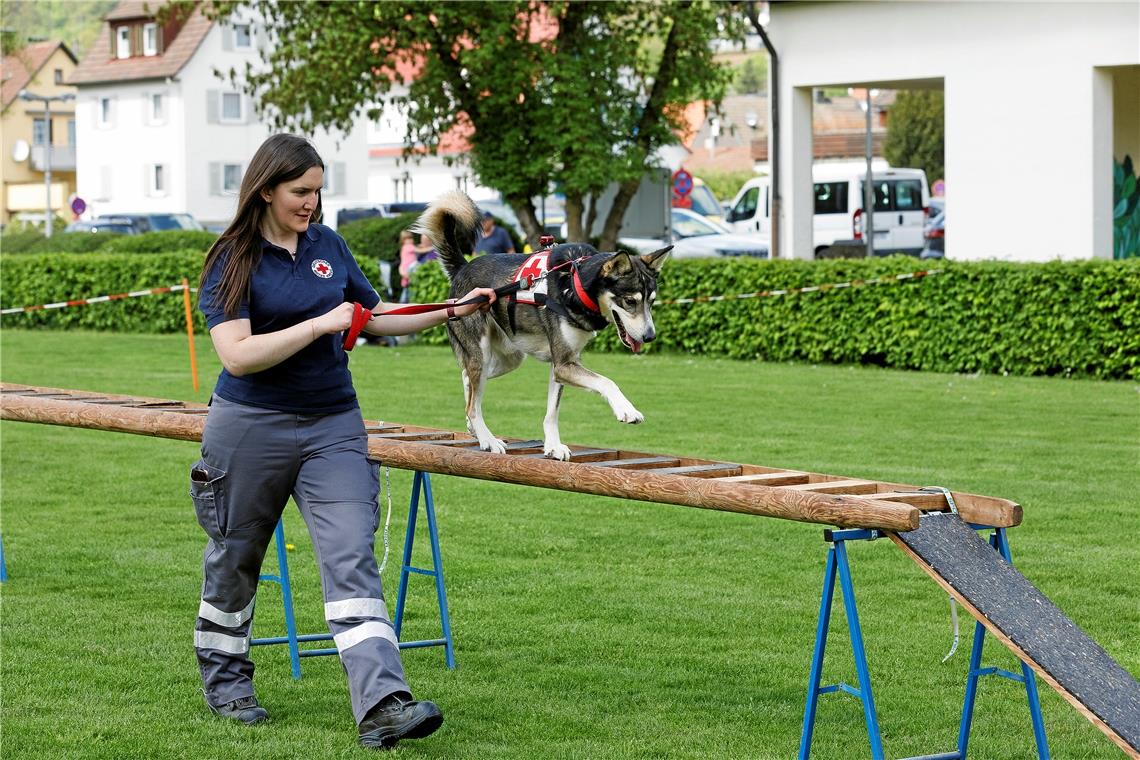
(281,158)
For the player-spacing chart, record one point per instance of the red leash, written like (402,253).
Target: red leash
(361,315)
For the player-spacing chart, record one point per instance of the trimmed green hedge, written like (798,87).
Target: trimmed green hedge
(165,241)
(1059,318)
(33,279)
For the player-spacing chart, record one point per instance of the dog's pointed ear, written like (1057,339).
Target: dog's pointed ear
(620,263)
(656,260)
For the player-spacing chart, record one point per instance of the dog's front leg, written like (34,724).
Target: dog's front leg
(473,384)
(552,445)
(573,373)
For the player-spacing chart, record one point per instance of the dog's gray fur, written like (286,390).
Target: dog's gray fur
(492,343)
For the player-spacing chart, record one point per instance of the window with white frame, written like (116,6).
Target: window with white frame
(157,108)
(159,181)
(123,42)
(150,39)
(231,110)
(106,116)
(243,37)
(231,178)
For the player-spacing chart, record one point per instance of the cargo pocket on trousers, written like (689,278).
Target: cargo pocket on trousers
(209,498)
(374,469)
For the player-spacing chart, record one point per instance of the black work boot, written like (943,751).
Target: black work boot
(245,709)
(398,718)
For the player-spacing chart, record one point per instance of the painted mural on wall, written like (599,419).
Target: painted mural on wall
(1125,210)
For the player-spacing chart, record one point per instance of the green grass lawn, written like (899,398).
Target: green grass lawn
(586,627)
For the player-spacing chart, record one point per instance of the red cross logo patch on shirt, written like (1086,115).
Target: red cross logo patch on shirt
(322,269)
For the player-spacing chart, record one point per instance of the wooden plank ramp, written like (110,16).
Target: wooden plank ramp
(1030,625)
(669,479)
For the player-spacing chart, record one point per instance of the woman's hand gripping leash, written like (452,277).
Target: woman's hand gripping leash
(479,299)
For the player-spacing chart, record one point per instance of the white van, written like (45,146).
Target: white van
(901,198)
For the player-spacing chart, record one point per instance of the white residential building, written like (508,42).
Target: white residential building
(1041,99)
(421,177)
(159,131)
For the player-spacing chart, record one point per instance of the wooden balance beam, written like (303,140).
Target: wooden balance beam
(727,486)
(944,546)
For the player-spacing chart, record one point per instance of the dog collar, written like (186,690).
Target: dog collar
(583,296)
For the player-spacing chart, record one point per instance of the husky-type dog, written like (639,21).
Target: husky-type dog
(584,291)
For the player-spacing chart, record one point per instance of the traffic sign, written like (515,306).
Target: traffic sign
(682,182)
(78,205)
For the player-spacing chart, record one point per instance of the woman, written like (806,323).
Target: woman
(277,289)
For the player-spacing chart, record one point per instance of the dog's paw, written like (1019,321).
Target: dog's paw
(557,451)
(493,445)
(627,413)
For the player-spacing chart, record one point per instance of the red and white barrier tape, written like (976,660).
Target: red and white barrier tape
(806,289)
(670,302)
(97,299)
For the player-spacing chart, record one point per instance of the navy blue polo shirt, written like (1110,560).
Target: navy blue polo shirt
(283,292)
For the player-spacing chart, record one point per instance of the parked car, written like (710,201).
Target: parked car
(157,222)
(934,233)
(901,198)
(696,237)
(336,214)
(104,225)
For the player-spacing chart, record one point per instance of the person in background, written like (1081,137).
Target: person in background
(408,261)
(278,291)
(494,238)
(426,251)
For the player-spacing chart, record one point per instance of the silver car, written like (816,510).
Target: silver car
(698,237)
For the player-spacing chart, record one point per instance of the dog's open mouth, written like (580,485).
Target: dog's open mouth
(630,343)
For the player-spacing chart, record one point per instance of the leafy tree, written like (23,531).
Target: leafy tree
(576,95)
(752,75)
(76,24)
(916,132)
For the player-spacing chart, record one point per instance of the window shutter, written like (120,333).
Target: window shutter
(227,37)
(215,178)
(337,186)
(147,112)
(212,105)
(104,183)
(249,112)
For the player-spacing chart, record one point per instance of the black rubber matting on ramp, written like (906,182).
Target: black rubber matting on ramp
(1036,625)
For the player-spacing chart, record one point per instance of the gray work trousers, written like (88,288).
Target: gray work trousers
(253,459)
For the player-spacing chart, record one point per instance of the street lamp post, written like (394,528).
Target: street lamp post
(47,100)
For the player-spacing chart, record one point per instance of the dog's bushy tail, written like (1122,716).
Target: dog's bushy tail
(452,222)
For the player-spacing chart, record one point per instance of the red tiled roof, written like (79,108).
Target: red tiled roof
(19,68)
(100,66)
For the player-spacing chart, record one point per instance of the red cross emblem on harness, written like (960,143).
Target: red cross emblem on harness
(534,267)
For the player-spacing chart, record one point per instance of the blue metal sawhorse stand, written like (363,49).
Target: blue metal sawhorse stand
(837,563)
(421,482)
